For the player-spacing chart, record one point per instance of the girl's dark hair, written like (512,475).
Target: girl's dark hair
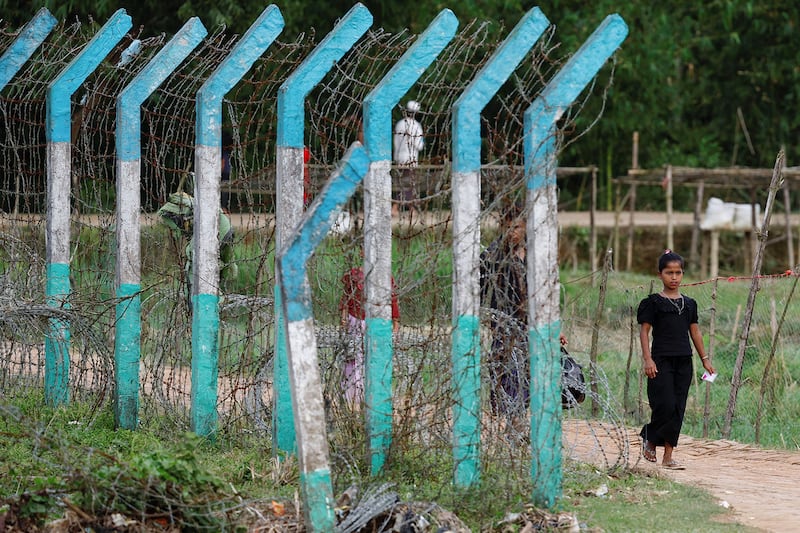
(669,257)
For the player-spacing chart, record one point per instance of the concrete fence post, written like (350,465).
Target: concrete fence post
(59,170)
(289,185)
(301,342)
(539,147)
(378,227)
(208,172)
(466,180)
(127,341)
(29,39)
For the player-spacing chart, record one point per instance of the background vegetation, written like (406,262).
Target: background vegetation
(705,84)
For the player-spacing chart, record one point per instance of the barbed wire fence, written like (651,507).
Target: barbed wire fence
(421,241)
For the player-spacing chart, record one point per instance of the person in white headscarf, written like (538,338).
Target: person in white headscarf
(408,141)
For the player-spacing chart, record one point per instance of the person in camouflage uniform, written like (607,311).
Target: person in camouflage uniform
(178,214)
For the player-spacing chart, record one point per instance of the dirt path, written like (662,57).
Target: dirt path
(761,486)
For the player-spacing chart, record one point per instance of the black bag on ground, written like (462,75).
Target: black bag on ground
(573,384)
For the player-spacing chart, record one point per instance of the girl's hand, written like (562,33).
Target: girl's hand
(650,369)
(708,367)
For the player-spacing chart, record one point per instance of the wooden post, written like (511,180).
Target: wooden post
(694,258)
(704,258)
(617,209)
(712,329)
(601,302)
(670,220)
(592,227)
(714,259)
(632,210)
(751,243)
(736,379)
(788,224)
(777,326)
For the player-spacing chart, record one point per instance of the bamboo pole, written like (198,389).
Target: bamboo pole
(631,347)
(714,254)
(768,366)
(787,216)
(694,256)
(670,218)
(712,330)
(705,247)
(775,184)
(617,211)
(632,210)
(601,302)
(751,243)
(735,331)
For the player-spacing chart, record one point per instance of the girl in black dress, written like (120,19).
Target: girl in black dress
(671,317)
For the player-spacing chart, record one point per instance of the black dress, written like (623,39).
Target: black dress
(672,353)
(504,290)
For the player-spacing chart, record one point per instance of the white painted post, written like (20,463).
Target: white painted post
(542,258)
(29,39)
(466,357)
(289,186)
(208,172)
(378,228)
(59,170)
(127,340)
(301,342)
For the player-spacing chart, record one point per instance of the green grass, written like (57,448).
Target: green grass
(104,470)
(76,449)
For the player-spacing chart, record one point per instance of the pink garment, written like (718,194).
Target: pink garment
(353,374)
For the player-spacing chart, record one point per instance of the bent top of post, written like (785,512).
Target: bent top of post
(405,72)
(151,76)
(567,84)
(319,62)
(60,90)
(30,38)
(313,228)
(253,43)
(467,108)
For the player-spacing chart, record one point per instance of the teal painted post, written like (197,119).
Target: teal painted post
(208,172)
(29,39)
(542,230)
(127,341)
(289,186)
(301,343)
(59,169)
(378,227)
(466,357)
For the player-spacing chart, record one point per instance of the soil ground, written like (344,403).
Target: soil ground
(761,486)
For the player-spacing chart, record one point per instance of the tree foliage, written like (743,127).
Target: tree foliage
(704,83)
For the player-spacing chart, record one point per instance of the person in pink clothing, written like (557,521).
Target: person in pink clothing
(353,315)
